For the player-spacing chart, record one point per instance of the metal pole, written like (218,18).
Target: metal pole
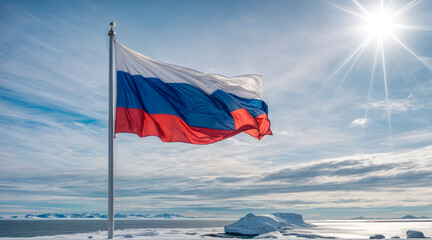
(111,33)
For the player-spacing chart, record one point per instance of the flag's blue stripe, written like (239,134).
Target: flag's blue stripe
(188,102)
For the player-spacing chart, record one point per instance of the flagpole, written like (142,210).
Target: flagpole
(111,33)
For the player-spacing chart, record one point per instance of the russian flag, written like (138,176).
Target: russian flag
(178,104)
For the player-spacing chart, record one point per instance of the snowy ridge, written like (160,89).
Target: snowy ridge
(98,216)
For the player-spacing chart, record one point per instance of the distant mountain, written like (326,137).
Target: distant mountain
(99,216)
(364,218)
(168,216)
(404,217)
(65,215)
(413,217)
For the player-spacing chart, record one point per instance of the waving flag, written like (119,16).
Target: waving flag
(179,104)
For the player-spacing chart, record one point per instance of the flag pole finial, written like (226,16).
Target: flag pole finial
(111,31)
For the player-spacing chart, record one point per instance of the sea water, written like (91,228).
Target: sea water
(32,228)
(361,229)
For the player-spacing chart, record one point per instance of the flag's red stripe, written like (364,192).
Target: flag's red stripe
(171,128)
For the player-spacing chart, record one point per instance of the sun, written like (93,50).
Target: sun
(381,24)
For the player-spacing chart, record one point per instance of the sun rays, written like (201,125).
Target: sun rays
(381,25)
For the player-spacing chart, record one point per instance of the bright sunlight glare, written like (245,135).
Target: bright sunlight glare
(381,24)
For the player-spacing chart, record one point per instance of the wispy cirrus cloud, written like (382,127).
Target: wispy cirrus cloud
(409,103)
(416,136)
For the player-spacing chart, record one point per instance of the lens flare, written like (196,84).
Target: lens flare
(381,24)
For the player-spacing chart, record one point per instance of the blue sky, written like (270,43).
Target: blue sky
(341,148)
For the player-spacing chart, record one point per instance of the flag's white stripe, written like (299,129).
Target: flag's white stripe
(245,86)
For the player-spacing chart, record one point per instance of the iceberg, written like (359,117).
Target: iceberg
(293,219)
(253,225)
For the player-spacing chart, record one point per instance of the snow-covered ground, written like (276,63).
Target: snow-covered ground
(352,229)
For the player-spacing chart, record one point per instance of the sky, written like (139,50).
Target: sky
(349,91)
